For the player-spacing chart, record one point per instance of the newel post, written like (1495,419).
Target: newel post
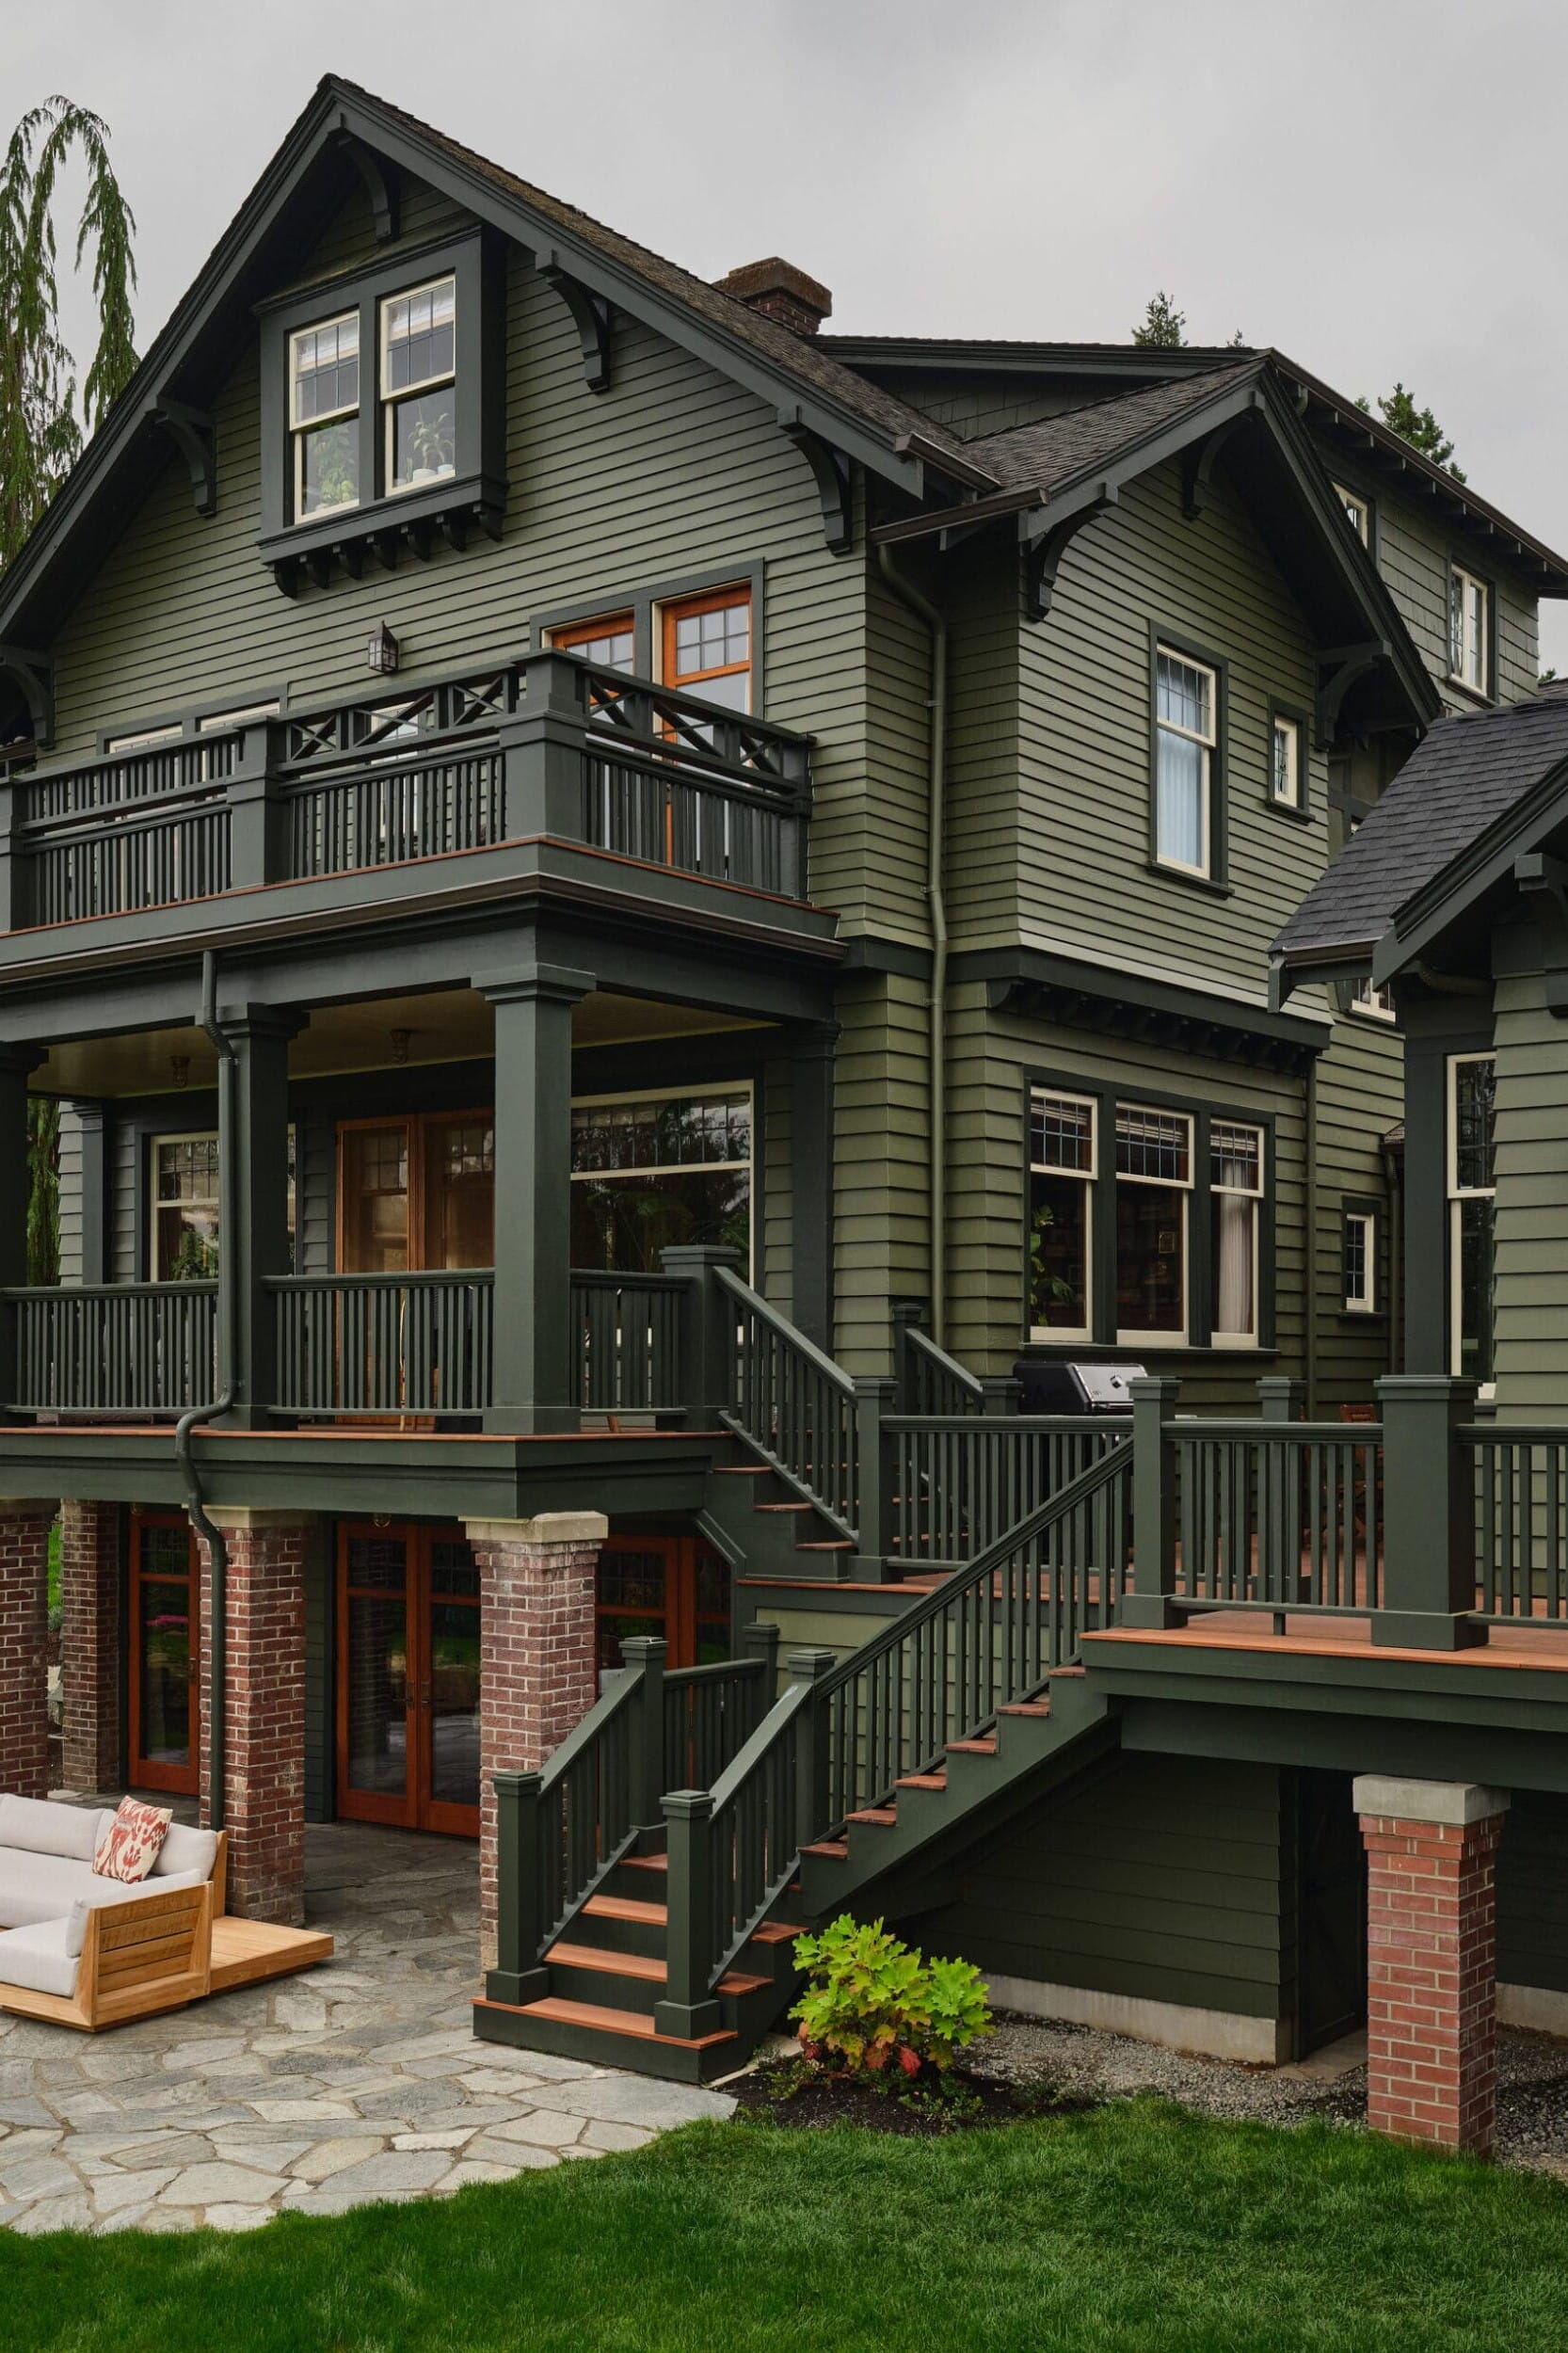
(707,1330)
(1429,1530)
(874,1397)
(258,836)
(760,1641)
(541,750)
(16,866)
(813,1795)
(688,2009)
(520,1924)
(1150,1605)
(645,1656)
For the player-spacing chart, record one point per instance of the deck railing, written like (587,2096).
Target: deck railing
(1519,1484)
(959,1482)
(628,1333)
(415,1343)
(114,1348)
(550,745)
(929,1379)
(1279,1515)
(711,1711)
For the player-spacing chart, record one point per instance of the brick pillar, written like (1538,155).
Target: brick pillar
(90,1646)
(25,1526)
(264,1733)
(1432,2068)
(538,1676)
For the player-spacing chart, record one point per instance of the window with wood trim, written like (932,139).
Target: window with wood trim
(1236,1207)
(609,641)
(1284,760)
(1153,1184)
(1469,631)
(324,409)
(1186,740)
(705,646)
(1061,1170)
(651,1170)
(419,366)
(1358,512)
(184,1242)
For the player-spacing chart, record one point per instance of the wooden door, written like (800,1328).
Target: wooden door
(676,1587)
(408,1680)
(166,1653)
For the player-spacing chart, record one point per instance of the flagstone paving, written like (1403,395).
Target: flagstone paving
(356,2081)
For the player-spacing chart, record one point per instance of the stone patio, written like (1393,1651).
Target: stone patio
(356,2081)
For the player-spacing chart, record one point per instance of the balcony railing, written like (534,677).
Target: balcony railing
(547,746)
(384,1343)
(115,1347)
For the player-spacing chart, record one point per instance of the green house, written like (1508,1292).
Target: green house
(651,926)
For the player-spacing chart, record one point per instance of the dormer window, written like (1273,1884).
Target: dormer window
(324,411)
(419,365)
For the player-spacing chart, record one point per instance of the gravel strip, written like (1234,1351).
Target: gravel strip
(1081,2062)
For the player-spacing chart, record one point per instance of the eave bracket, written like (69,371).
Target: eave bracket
(833,476)
(590,315)
(35,674)
(1044,549)
(195,436)
(1197,467)
(1338,669)
(1542,881)
(381,184)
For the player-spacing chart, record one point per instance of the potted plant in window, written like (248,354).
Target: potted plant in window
(434,450)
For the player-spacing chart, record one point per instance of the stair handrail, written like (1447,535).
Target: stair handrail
(549,1867)
(951,1387)
(806,1429)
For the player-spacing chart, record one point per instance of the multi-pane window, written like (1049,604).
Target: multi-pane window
(419,362)
(1284,777)
(185,1239)
(1372,997)
(707,647)
(1061,1214)
(1186,699)
(1472,1103)
(324,416)
(1358,514)
(1361,1261)
(1469,629)
(1236,1203)
(649,1171)
(609,641)
(1153,1179)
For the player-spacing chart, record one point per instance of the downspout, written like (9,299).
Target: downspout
(936,899)
(206,1528)
(1310,1286)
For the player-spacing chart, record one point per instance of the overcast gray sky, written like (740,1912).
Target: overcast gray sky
(1374,186)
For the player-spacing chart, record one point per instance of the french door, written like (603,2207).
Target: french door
(408,1660)
(676,1587)
(416,1191)
(166,1653)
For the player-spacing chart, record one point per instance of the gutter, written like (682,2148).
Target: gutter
(195,1508)
(936,897)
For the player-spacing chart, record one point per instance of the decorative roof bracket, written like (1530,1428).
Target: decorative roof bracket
(1197,467)
(1043,549)
(1338,669)
(834,479)
(35,674)
(195,436)
(590,314)
(381,184)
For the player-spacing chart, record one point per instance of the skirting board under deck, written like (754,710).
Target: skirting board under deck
(1537,2007)
(1205,2033)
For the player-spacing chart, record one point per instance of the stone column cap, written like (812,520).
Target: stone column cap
(28,1507)
(1452,1803)
(241,1517)
(545,1528)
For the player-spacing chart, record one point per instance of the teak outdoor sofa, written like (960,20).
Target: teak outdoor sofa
(85,1951)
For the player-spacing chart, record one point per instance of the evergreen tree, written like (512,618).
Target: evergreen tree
(1417,426)
(1163,326)
(42,421)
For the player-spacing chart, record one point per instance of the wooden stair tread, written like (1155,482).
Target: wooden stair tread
(776,1932)
(923,1781)
(612,1964)
(627,1907)
(743,1470)
(738,1982)
(972,1748)
(839,1543)
(836,1847)
(645,1863)
(781,1507)
(1026,1707)
(883,1816)
(619,2022)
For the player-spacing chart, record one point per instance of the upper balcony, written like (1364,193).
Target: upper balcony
(365,802)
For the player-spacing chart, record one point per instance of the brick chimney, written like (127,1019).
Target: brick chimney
(781,291)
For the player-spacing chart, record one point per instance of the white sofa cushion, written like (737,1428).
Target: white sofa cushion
(39,1957)
(35,1887)
(185,1850)
(37,1826)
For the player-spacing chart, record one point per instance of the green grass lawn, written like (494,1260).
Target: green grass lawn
(1134,2228)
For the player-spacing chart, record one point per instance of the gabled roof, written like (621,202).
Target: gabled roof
(1045,454)
(1457,797)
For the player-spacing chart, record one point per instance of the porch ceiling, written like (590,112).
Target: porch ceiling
(449,1025)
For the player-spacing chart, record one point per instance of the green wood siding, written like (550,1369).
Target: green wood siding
(1413,555)
(882,1160)
(1360,1097)
(1532,1204)
(1162,1881)
(71,1196)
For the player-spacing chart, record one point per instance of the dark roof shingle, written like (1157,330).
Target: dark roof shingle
(1054,450)
(1461,778)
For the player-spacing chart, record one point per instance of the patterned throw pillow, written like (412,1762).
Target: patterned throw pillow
(129,1848)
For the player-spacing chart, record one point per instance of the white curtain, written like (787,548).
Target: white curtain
(1233,1263)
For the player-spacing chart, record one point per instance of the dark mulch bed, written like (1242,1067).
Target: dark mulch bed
(925,2108)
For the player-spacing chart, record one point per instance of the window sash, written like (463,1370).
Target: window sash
(728,680)
(1285,771)
(298,423)
(392,394)
(1375,1001)
(1458,1189)
(1047,1103)
(1157,1129)
(174,1208)
(1357,513)
(1361,1228)
(609,640)
(1468,624)
(1186,702)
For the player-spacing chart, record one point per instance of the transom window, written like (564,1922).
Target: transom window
(1285,779)
(648,1171)
(1186,699)
(324,407)
(184,1237)
(1361,1258)
(707,647)
(1235,1195)
(419,362)
(1469,602)
(1472,1118)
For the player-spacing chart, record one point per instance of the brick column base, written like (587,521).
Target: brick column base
(538,1676)
(1432,2066)
(25,1526)
(90,1646)
(265,1731)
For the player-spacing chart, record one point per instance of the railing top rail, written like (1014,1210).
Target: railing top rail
(948,1367)
(984,1565)
(715,1670)
(199,1289)
(583,1736)
(605,1278)
(110,817)
(624,683)
(78,764)
(823,1363)
(413,1278)
(1513,1434)
(1045,1425)
(1228,1427)
(746,1760)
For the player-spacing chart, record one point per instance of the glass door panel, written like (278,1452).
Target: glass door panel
(376,1698)
(459,1193)
(374,1228)
(165,1655)
(450,1723)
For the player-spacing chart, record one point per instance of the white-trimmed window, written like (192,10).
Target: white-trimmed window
(1373,999)
(1186,698)
(1285,762)
(184,1182)
(653,1169)
(1061,1170)
(324,411)
(419,371)
(1236,1210)
(1154,1185)
(1359,513)
(1469,630)
(1360,1262)
(1472,1185)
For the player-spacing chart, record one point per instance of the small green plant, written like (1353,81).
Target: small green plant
(873,2000)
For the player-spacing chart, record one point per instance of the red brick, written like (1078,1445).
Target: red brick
(90,1646)
(24,1669)
(265,1731)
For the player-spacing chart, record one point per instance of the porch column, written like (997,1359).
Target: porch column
(537,1675)
(15,1063)
(1431,2072)
(261,1192)
(264,1721)
(94,1751)
(92,1182)
(532,1387)
(811,1055)
(24,1525)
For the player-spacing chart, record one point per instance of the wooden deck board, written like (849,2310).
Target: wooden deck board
(1537,1646)
(246,1951)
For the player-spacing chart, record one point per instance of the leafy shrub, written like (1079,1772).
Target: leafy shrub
(871,1998)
